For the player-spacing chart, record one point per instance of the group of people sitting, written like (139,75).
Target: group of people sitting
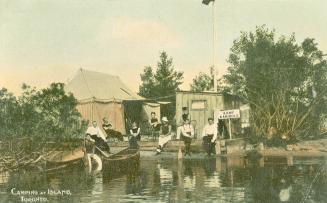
(185,133)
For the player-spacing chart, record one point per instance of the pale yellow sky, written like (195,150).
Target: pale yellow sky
(43,41)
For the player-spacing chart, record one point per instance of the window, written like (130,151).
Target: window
(199,104)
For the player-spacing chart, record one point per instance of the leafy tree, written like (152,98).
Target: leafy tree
(164,82)
(9,112)
(59,117)
(147,89)
(284,82)
(203,82)
(161,83)
(47,113)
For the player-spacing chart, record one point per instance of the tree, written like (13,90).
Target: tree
(161,83)
(47,113)
(9,112)
(147,89)
(59,117)
(203,82)
(164,82)
(284,82)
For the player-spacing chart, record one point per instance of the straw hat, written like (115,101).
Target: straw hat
(164,119)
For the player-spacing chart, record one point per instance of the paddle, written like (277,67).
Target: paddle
(106,154)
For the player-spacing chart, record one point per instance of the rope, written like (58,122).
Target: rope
(87,85)
(163,97)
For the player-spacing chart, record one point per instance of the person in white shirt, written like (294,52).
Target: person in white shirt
(209,135)
(187,132)
(94,134)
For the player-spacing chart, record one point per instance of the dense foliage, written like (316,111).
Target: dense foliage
(47,113)
(203,82)
(283,81)
(161,83)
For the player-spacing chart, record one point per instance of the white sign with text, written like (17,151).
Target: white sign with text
(228,114)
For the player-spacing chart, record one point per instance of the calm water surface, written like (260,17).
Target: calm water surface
(165,179)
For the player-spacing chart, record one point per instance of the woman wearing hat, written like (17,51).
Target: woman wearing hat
(165,134)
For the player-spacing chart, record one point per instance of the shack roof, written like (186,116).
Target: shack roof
(90,85)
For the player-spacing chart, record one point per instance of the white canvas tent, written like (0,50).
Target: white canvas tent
(102,95)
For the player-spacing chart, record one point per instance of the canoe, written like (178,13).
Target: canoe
(124,161)
(60,160)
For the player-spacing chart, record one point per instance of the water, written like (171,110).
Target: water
(165,179)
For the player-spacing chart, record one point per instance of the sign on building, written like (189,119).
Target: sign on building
(228,114)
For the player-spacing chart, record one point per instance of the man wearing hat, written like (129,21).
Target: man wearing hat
(185,116)
(165,134)
(187,134)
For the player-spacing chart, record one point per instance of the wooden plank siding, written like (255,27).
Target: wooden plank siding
(198,117)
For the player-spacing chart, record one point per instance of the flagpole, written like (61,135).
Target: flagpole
(215,72)
(214,47)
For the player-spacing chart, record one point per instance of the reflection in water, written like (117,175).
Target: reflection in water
(166,176)
(4,176)
(172,180)
(189,180)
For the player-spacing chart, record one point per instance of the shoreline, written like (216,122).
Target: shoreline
(238,148)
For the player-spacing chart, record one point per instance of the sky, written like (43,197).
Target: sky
(44,41)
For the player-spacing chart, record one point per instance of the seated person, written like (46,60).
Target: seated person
(135,136)
(187,135)
(107,127)
(94,134)
(209,135)
(165,135)
(155,125)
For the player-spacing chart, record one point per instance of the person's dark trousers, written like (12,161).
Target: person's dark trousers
(187,143)
(133,143)
(206,143)
(156,135)
(100,143)
(211,146)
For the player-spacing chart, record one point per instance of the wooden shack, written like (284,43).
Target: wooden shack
(201,106)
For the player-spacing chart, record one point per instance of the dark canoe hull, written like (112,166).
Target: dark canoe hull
(124,161)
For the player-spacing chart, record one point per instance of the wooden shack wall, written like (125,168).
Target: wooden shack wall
(198,117)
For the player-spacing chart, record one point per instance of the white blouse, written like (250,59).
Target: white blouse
(186,129)
(95,131)
(210,130)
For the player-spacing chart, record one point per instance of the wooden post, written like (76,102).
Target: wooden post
(290,160)
(230,129)
(218,150)
(262,162)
